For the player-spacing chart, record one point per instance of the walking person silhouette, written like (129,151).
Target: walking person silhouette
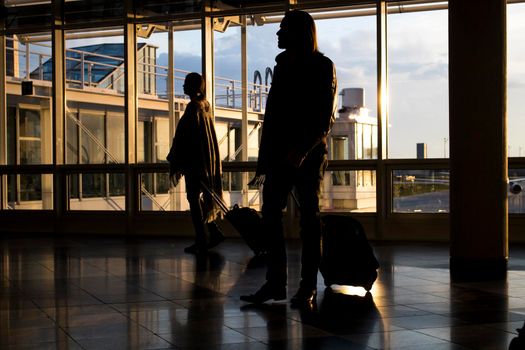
(195,154)
(299,113)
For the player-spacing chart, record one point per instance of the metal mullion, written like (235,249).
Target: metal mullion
(207,54)
(17,155)
(3,117)
(58,104)
(244,110)
(131,111)
(383,178)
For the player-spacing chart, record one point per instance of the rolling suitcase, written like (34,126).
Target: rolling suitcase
(347,257)
(246,222)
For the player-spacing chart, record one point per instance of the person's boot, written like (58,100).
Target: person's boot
(265,293)
(304,297)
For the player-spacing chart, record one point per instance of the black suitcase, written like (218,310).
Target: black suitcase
(347,257)
(246,222)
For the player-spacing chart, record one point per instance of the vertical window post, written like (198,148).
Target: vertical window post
(382,188)
(130,110)
(58,107)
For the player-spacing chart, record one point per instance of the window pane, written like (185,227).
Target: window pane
(115,139)
(97,191)
(349,191)
(262,49)
(71,139)
(516,79)
(420,191)
(156,194)
(162,141)
(188,56)
(351,44)
(228,89)
(516,194)
(94,95)
(30,192)
(29,119)
(418,83)
(92,138)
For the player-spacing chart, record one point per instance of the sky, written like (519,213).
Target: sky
(417,67)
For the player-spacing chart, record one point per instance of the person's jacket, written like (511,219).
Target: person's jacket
(300,111)
(195,150)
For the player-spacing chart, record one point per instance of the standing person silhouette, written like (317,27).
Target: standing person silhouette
(195,154)
(299,114)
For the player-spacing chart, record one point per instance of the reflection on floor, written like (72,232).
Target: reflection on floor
(147,294)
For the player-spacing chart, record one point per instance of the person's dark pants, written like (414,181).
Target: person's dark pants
(193,194)
(277,186)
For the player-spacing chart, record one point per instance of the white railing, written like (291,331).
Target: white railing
(85,67)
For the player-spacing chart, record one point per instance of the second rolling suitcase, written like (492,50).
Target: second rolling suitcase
(246,222)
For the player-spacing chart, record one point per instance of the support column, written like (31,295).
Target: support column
(478,140)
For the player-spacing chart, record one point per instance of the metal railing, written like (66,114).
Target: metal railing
(94,70)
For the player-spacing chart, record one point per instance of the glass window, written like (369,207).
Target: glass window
(339,149)
(188,56)
(350,42)
(157,195)
(162,140)
(72,139)
(349,191)
(516,195)
(115,139)
(262,50)
(29,119)
(420,191)
(94,90)
(93,138)
(144,141)
(30,192)
(29,136)
(227,54)
(516,79)
(418,83)
(98,191)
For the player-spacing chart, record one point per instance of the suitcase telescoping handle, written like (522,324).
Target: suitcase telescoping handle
(218,199)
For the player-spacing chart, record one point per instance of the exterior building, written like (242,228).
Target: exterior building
(352,138)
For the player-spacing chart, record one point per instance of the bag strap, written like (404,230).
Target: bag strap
(216,198)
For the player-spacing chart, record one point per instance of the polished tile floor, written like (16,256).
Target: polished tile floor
(92,293)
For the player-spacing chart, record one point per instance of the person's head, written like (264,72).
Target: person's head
(297,32)
(194,86)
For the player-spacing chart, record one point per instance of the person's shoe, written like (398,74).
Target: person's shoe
(304,296)
(265,293)
(195,249)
